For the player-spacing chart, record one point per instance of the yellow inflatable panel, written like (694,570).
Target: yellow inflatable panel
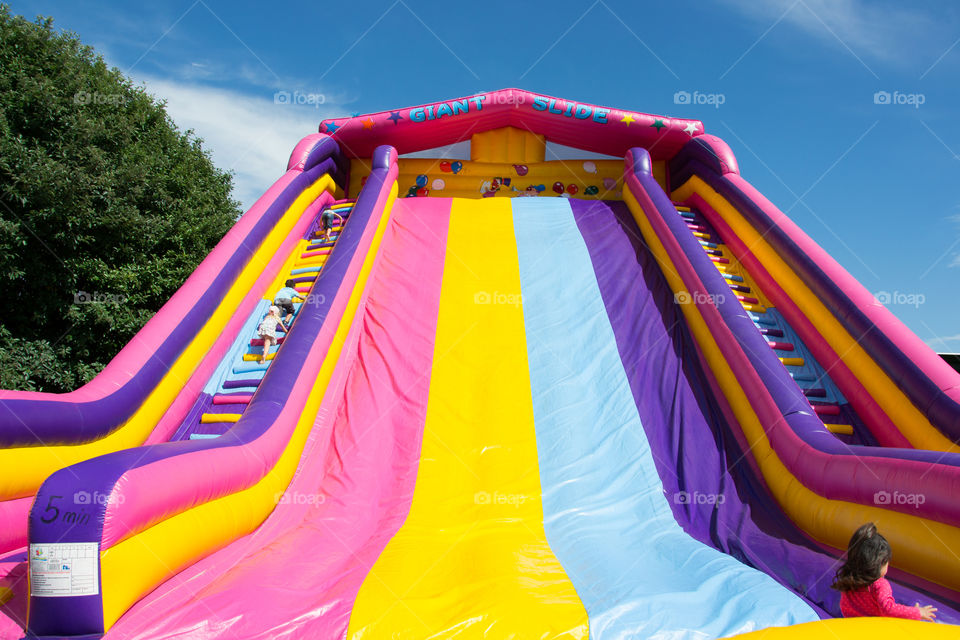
(507,144)
(589,178)
(479,443)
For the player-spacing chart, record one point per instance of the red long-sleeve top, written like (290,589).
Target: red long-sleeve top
(875,600)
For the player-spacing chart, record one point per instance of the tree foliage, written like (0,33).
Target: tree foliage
(105,207)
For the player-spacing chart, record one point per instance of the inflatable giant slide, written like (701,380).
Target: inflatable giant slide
(610,394)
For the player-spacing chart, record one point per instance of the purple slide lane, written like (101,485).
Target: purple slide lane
(693,446)
(355,482)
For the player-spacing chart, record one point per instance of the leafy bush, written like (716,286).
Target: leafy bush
(100,194)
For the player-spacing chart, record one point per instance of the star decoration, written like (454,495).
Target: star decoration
(395,116)
(332,127)
(628,119)
(368,123)
(658,124)
(691,128)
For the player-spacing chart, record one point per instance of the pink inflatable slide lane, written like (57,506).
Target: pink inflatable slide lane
(354,485)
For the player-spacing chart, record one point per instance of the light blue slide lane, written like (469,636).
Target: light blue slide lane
(606,518)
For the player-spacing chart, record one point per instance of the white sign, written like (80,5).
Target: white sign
(64,569)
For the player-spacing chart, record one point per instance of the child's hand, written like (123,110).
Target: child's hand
(927,613)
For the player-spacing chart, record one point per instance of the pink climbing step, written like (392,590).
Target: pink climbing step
(232,398)
(782,346)
(826,409)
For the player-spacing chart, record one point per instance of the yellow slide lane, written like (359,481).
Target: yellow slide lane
(472,559)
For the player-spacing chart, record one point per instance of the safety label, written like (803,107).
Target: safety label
(64,569)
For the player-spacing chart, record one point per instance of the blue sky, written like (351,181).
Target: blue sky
(875,184)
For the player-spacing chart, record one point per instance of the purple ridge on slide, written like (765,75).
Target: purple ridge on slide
(697,159)
(693,445)
(85,613)
(29,422)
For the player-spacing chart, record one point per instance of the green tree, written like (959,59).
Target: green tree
(101,194)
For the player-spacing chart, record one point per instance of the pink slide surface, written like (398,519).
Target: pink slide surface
(378,399)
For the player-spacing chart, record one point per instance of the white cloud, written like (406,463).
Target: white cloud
(891,33)
(955,218)
(943,343)
(249,135)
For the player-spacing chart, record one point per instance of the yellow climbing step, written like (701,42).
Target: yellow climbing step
(213,418)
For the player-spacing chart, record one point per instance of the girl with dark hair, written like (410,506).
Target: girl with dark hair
(864,589)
